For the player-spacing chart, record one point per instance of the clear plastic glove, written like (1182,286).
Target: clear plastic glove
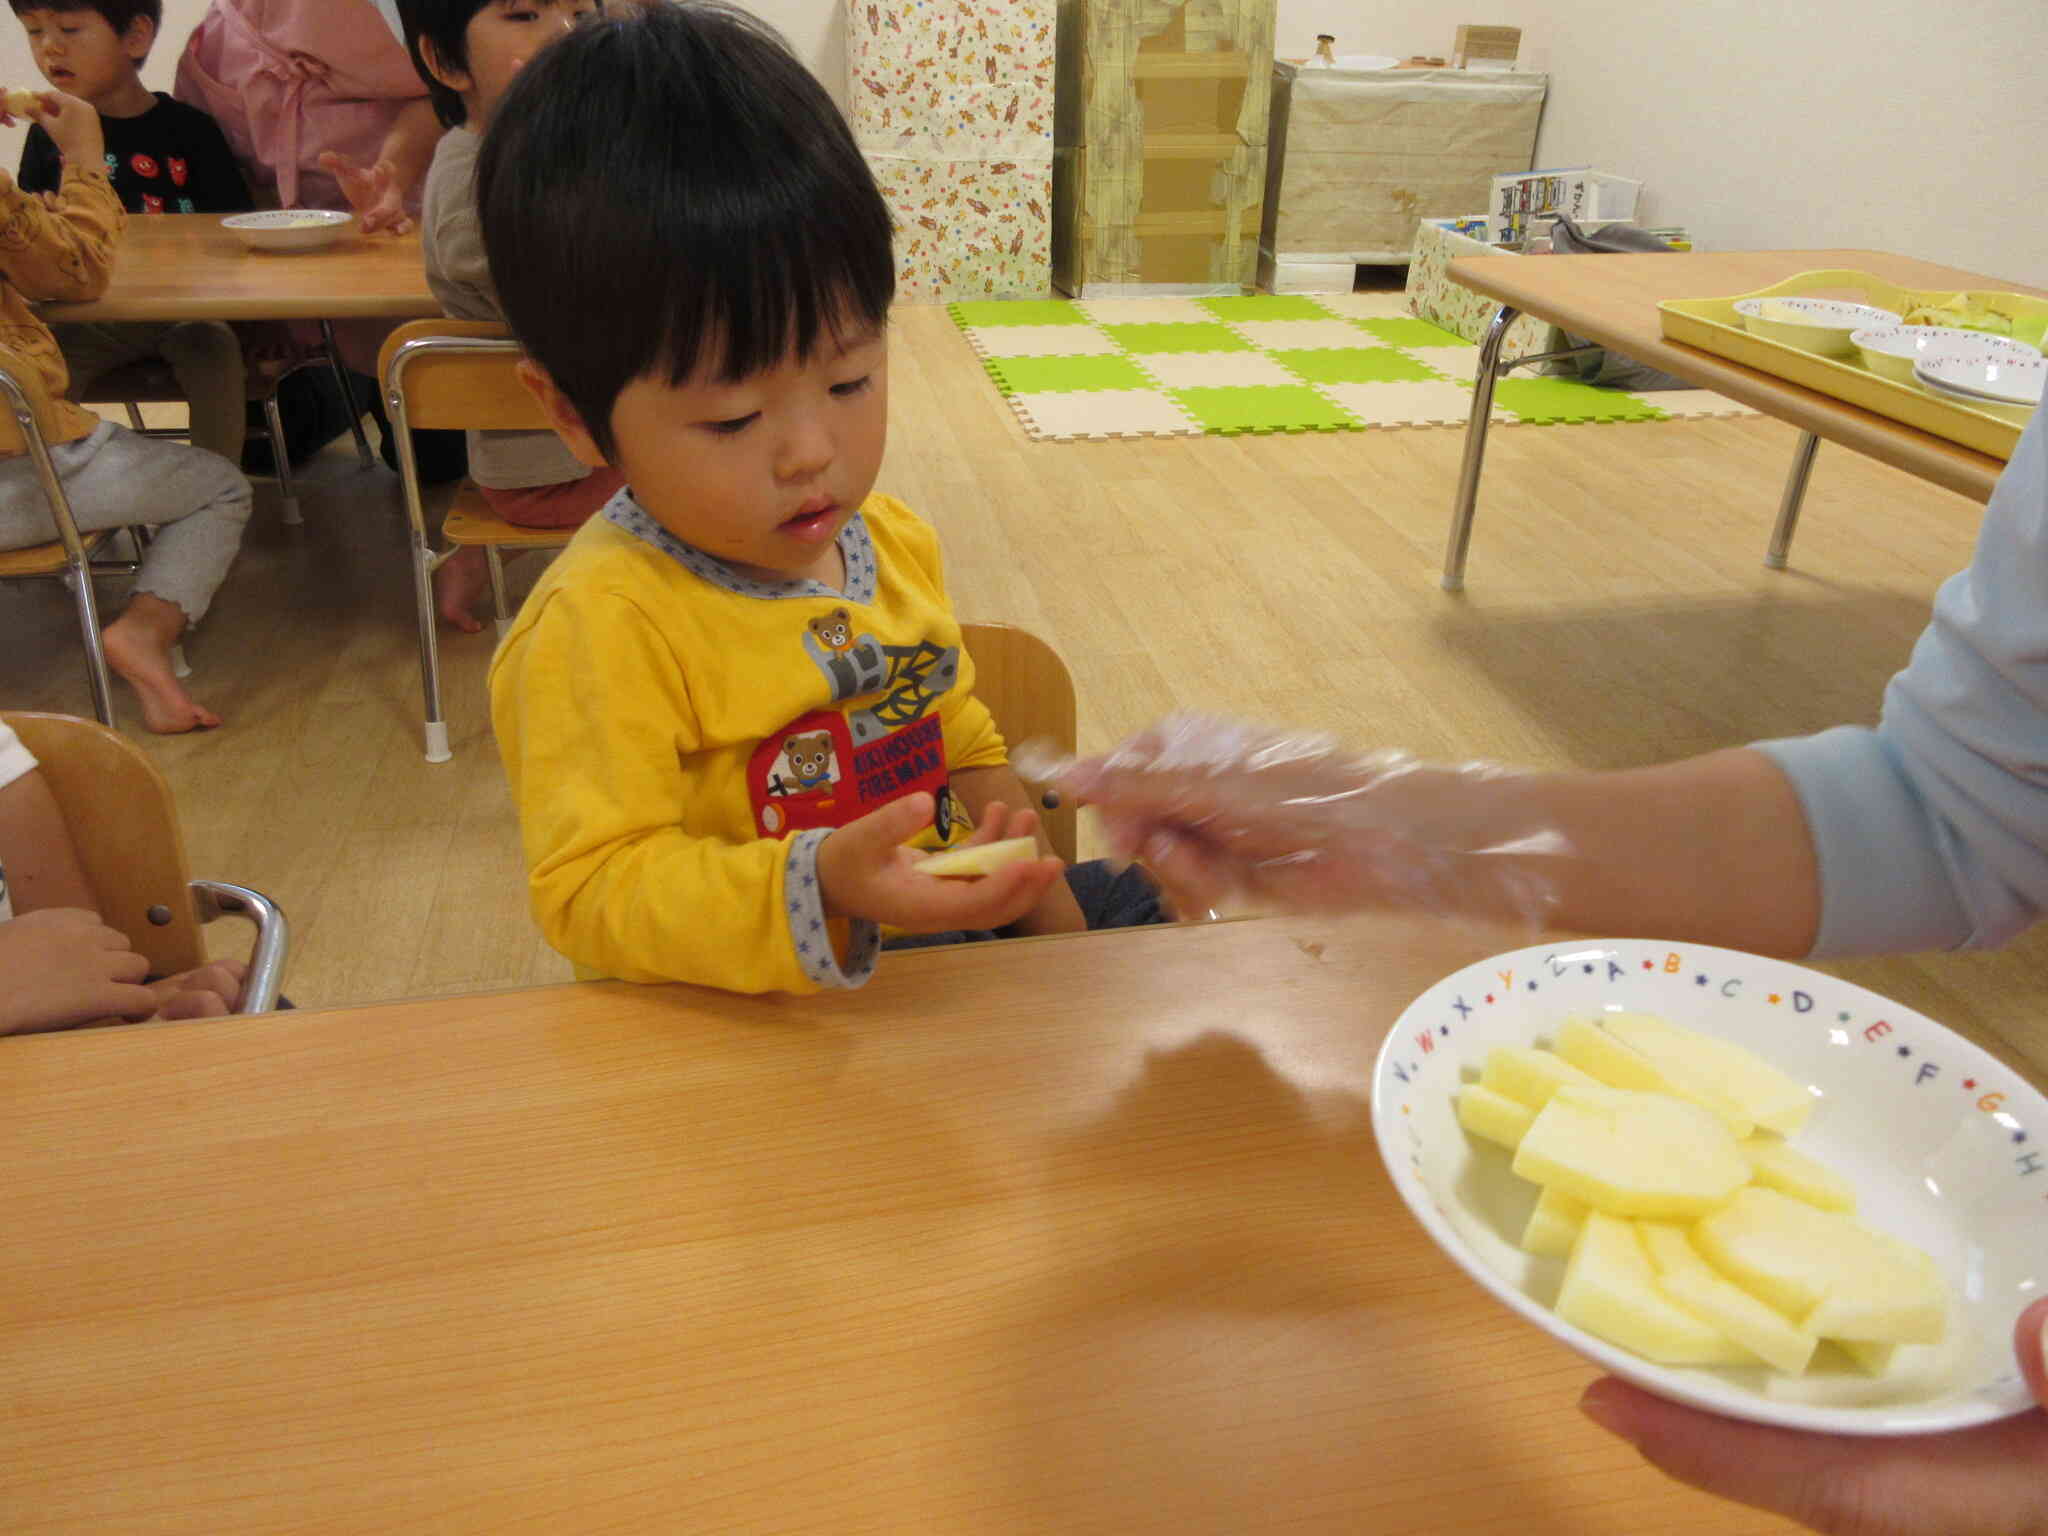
(1227,815)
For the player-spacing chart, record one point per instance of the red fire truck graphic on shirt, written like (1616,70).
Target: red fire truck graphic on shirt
(829,767)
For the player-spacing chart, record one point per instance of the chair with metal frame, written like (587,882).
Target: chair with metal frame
(68,558)
(151,382)
(456,374)
(124,826)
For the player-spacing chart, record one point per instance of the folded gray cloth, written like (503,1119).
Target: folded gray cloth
(1609,370)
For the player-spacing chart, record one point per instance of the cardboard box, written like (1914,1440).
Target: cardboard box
(1356,156)
(954,114)
(1432,296)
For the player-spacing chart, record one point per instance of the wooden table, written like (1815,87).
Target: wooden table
(1077,1235)
(1612,300)
(184,266)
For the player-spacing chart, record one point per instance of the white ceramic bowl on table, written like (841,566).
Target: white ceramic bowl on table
(1892,350)
(2007,387)
(289,229)
(1811,325)
(1947,1148)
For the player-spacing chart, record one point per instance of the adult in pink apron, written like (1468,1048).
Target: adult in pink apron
(319,102)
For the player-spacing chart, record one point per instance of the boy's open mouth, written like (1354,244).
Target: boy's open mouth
(813,519)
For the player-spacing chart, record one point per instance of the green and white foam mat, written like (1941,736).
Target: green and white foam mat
(1174,367)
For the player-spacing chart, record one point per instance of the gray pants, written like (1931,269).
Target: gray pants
(115,478)
(205,357)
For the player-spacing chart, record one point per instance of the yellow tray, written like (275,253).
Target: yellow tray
(1712,325)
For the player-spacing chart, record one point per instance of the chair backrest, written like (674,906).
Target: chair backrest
(1028,689)
(124,824)
(458,373)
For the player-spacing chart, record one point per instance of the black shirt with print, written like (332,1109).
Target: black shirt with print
(171,159)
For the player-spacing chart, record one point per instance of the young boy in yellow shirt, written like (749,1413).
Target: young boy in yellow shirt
(740,692)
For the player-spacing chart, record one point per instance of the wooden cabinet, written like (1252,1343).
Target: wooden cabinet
(1159,135)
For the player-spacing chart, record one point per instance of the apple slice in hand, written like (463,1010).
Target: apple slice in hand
(977,860)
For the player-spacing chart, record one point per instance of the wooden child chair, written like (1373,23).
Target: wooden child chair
(1031,694)
(68,558)
(456,375)
(124,826)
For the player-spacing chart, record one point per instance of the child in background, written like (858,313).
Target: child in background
(165,157)
(740,691)
(468,52)
(61,246)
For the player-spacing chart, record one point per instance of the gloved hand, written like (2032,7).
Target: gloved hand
(1226,814)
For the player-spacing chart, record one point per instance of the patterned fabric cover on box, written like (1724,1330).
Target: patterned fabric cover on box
(951,101)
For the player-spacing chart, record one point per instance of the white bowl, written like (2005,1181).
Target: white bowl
(1811,325)
(1947,1148)
(1892,350)
(2007,380)
(289,229)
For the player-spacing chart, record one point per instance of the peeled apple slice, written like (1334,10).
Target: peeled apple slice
(1691,1282)
(1777,1166)
(1838,1278)
(1553,1225)
(978,859)
(1524,1073)
(1718,1068)
(20,103)
(1610,1290)
(1492,1115)
(1612,1060)
(1640,1155)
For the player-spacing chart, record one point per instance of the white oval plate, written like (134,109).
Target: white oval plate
(1947,1148)
(2007,380)
(289,229)
(1892,350)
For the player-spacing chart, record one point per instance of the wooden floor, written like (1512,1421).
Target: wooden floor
(1617,612)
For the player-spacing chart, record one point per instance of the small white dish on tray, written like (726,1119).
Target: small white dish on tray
(289,229)
(1812,325)
(2009,388)
(1892,350)
(1946,1146)
(1824,326)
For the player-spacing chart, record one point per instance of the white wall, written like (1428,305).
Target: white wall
(18,67)
(1905,125)
(1918,126)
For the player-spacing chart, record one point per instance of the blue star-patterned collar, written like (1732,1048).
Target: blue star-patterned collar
(855,547)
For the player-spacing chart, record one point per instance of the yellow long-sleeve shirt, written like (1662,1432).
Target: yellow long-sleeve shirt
(680,739)
(59,246)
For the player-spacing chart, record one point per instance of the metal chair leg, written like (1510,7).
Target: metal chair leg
(274,421)
(499,601)
(1466,505)
(1788,506)
(423,563)
(82,594)
(348,396)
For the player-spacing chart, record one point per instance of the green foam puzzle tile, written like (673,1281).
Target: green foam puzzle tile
(1280,306)
(1264,408)
(1353,365)
(1178,337)
(1551,401)
(1047,375)
(1411,333)
(1017,312)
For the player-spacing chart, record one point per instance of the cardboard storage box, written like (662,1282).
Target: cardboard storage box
(1357,156)
(1432,296)
(953,111)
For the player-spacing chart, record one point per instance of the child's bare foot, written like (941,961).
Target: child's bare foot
(138,646)
(459,581)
